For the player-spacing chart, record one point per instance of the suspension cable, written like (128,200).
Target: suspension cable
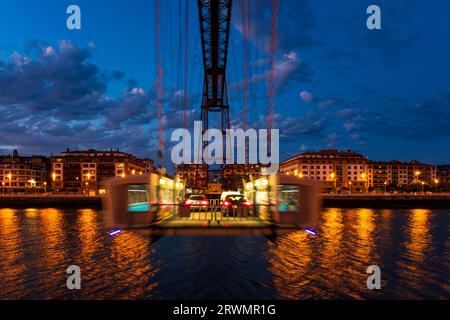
(272,51)
(159,81)
(186,75)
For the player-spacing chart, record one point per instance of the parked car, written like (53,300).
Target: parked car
(197,202)
(236,205)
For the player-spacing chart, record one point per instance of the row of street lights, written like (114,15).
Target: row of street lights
(363,176)
(32,183)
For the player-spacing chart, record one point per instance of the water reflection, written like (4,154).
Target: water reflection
(290,264)
(365,227)
(416,244)
(53,248)
(419,236)
(331,251)
(132,265)
(331,232)
(88,233)
(411,247)
(12,260)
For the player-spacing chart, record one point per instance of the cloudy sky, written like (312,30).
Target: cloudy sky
(383,93)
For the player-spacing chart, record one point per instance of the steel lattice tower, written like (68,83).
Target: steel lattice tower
(215,20)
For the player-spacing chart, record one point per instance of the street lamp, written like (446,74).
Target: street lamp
(350,187)
(423,187)
(385,187)
(32,183)
(87,184)
(333,176)
(417,174)
(363,176)
(45,186)
(53,181)
(9,176)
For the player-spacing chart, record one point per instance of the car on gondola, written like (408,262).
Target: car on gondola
(235,205)
(197,202)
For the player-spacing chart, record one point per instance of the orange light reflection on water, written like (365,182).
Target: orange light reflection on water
(290,263)
(53,247)
(12,262)
(88,234)
(365,227)
(419,234)
(132,267)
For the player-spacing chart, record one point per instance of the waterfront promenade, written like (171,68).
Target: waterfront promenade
(49,200)
(381,200)
(354,200)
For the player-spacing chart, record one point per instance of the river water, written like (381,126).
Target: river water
(412,248)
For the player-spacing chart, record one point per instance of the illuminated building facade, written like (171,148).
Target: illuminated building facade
(195,176)
(235,174)
(348,170)
(20,174)
(336,169)
(399,174)
(82,171)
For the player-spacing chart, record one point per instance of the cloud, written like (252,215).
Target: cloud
(423,119)
(326,104)
(53,97)
(306,96)
(288,70)
(58,81)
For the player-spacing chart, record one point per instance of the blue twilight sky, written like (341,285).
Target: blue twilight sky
(384,93)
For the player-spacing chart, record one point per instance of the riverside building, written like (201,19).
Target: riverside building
(21,175)
(82,171)
(350,171)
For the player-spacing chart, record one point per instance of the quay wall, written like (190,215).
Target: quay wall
(329,201)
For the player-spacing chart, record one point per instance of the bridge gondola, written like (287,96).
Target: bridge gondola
(156,204)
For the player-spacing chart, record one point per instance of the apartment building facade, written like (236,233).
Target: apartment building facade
(83,171)
(443,174)
(400,174)
(335,169)
(235,174)
(20,174)
(195,176)
(348,170)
